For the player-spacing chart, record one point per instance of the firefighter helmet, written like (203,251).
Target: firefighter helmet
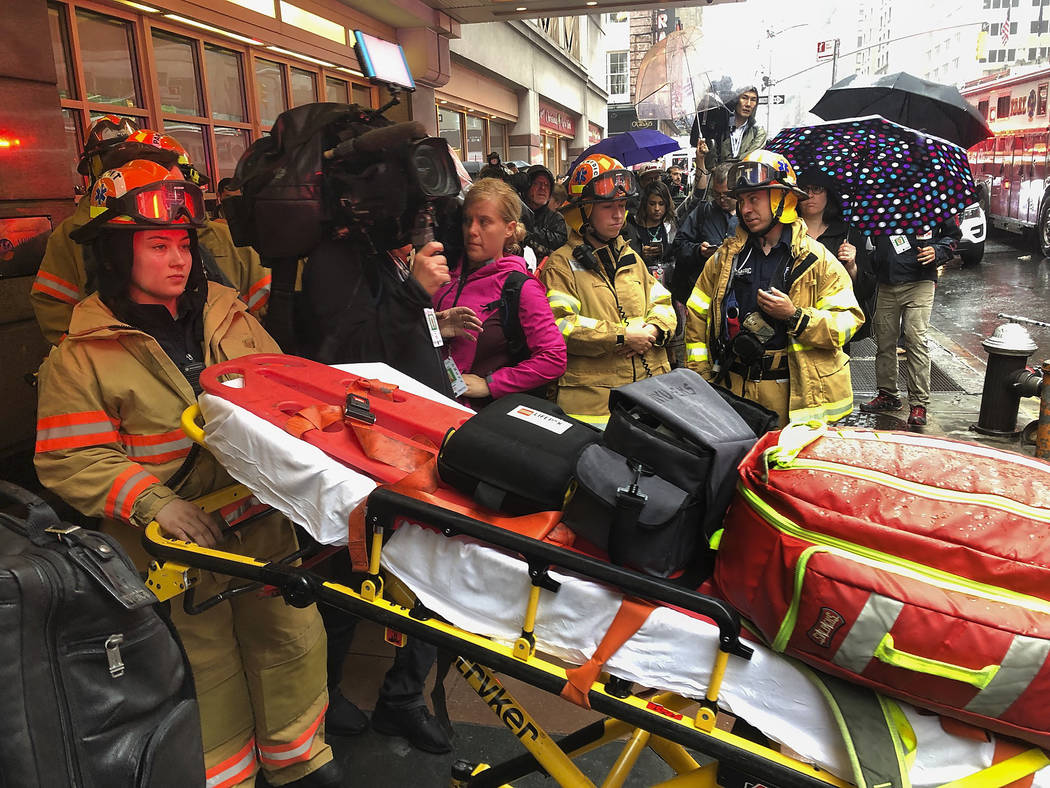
(167,143)
(598,178)
(141,194)
(763,170)
(104,132)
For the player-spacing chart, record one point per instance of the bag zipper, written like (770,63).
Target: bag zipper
(64,715)
(987,500)
(894,564)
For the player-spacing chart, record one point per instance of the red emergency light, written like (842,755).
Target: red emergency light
(10,142)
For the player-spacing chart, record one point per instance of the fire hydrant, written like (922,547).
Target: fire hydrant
(1006,379)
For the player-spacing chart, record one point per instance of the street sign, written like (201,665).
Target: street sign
(778,98)
(825,49)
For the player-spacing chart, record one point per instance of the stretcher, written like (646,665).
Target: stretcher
(507,603)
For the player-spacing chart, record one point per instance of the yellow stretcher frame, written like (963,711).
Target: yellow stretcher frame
(657,721)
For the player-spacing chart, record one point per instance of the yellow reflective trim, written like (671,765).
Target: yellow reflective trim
(588,419)
(975,677)
(658,292)
(832,411)
(696,352)
(1005,772)
(798,347)
(560,298)
(843,299)
(566,325)
(586,322)
(699,303)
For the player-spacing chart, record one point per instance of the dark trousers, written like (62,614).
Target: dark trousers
(403,685)
(404,681)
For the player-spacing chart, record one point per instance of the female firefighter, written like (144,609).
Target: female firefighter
(614,315)
(109,443)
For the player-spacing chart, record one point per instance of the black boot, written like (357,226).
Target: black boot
(416,724)
(328,776)
(343,717)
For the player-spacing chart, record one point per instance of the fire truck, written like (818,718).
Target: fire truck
(1010,169)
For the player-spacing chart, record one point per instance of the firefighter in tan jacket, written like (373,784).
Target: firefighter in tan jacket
(615,316)
(109,443)
(772,309)
(62,279)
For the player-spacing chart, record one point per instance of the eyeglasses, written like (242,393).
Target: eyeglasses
(812,188)
(613,185)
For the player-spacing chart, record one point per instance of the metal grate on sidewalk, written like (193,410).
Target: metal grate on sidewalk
(862,371)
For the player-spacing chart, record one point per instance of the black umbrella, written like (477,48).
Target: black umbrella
(910,101)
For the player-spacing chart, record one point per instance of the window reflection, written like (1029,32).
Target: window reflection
(269,82)
(107,57)
(176,64)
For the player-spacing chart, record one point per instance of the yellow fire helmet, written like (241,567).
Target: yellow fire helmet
(598,178)
(768,171)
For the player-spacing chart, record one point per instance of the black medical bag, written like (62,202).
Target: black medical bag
(683,429)
(658,487)
(516,455)
(642,521)
(95,688)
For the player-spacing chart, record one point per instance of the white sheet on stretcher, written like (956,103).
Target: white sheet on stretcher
(484,590)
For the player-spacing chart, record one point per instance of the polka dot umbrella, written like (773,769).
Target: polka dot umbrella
(895,179)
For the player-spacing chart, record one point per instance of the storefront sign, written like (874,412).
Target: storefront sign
(594,134)
(626,119)
(557,120)
(664,21)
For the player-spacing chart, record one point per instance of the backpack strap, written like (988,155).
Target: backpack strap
(509,317)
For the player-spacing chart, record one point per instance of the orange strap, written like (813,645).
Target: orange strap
(1006,748)
(377,388)
(313,417)
(629,619)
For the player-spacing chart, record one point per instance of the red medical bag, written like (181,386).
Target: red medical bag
(919,566)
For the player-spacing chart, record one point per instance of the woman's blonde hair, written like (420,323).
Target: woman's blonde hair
(508,206)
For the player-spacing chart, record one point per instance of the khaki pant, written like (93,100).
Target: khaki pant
(260,670)
(904,307)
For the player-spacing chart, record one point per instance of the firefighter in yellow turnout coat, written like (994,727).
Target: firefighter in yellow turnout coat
(108,441)
(62,279)
(796,366)
(615,316)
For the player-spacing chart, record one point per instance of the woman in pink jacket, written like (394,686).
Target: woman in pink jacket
(487,354)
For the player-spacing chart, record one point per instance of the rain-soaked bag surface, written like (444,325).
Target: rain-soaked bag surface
(919,566)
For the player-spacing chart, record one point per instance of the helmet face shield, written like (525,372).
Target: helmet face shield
(165,203)
(753,175)
(613,185)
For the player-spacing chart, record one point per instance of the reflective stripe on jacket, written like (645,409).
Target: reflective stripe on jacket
(584,304)
(819,376)
(110,400)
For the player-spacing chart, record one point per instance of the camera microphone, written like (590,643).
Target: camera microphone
(378,140)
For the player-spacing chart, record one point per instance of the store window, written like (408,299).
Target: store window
(304,87)
(475,139)
(177,74)
(225,83)
(498,139)
(107,56)
(269,83)
(229,145)
(336,90)
(193,139)
(363,95)
(449,129)
(74,144)
(60,46)
(618,76)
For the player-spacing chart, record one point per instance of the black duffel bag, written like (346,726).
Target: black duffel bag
(642,521)
(686,431)
(95,688)
(516,455)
